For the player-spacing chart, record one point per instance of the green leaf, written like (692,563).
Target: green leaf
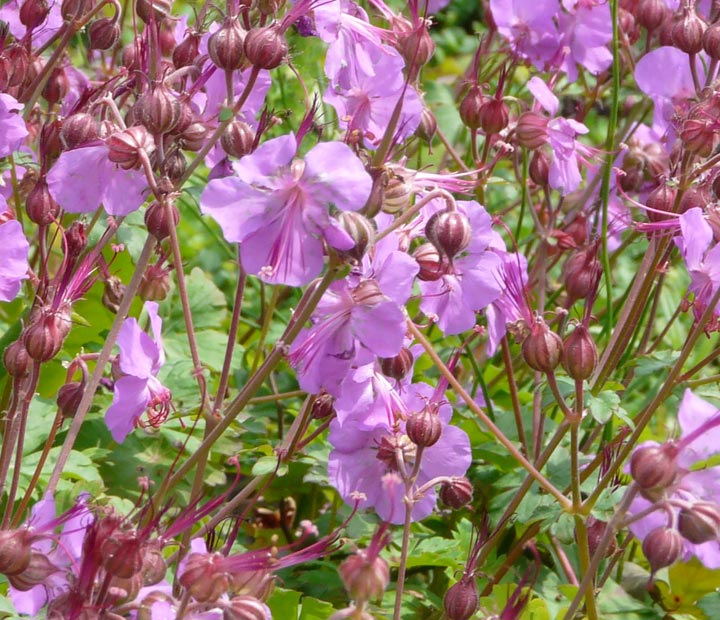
(207,305)
(267,465)
(225,115)
(284,604)
(689,582)
(314,609)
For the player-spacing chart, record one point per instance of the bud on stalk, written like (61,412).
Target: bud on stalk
(266,47)
(449,232)
(456,493)
(365,579)
(462,599)
(662,547)
(226,45)
(424,428)
(542,348)
(579,354)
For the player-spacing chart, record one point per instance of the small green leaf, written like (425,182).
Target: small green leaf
(284,604)
(267,465)
(314,609)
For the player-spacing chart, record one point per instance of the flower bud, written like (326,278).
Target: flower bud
(79,129)
(424,428)
(145,610)
(661,200)
(130,58)
(449,232)
(432,267)
(456,493)
(40,206)
(17,363)
(323,407)
(153,10)
(462,599)
(256,583)
(542,348)
(18,64)
(103,33)
(651,13)
(15,551)
(540,168)
(367,293)
(711,41)
(37,571)
(693,197)
(266,47)
(187,50)
(238,138)
(154,566)
(654,467)
(596,532)
(156,220)
(125,146)
(44,337)
(531,130)
(398,191)
(69,397)
(662,547)
(113,293)
(581,272)
(700,523)
(493,116)
(226,45)
(246,608)
(698,133)
(57,86)
(155,284)
(360,230)
(470,107)
(427,128)
(364,578)
(416,45)
(33,13)
(579,355)
(75,10)
(399,366)
(174,166)
(160,110)
(202,579)
(687,33)
(628,26)
(577,229)
(122,554)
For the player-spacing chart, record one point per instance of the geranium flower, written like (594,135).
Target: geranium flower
(277,206)
(12,125)
(529,27)
(14,249)
(586,32)
(141,358)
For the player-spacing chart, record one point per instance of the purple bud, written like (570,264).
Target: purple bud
(155,284)
(37,571)
(542,348)
(17,363)
(202,578)
(226,45)
(266,47)
(238,138)
(399,366)
(687,33)
(40,206)
(187,50)
(456,493)
(424,428)
(531,130)
(245,608)
(103,34)
(45,335)
(700,523)
(160,110)
(432,267)
(462,599)
(662,547)
(69,397)
(125,146)
(157,222)
(361,231)
(579,356)
(365,578)
(79,129)
(470,107)
(15,550)
(449,232)
(153,10)
(654,467)
(494,115)
(323,407)
(33,13)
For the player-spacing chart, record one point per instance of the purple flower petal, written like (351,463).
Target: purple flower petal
(129,403)
(14,249)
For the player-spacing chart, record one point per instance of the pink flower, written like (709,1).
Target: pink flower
(12,125)
(14,249)
(141,358)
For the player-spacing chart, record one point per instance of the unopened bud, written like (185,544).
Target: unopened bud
(662,547)
(432,266)
(416,45)
(540,168)
(449,232)
(15,551)
(399,366)
(79,129)
(155,284)
(17,363)
(700,523)
(360,230)
(542,348)
(157,222)
(711,41)
(153,10)
(226,45)
(75,10)
(628,26)
(581,272)
(651,13)
(202,579)
(44,337)
(427,128)
(687,33)
(456,493)
(33,13)
(174,166)
(595,533)
(661,200)
(367,293)
(69,397)
(160,109)
(238,138)
(246,608)
(266,47)
(365,579)
(122,554)
(531,130)
(113,293)
(470,107)
(187,50)
(462,599)
(154,566)
(36,572)
(698,133)
(125,146)
(494,115)
(57,86)
(103,34)
(654,467)
(424,428)
(693,197)
(40,206)
(398,192)
(579,356)
(323,407)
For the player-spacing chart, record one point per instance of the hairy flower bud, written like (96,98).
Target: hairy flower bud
(36,572)
(651,13)
(238,138)
(40,206)
(427,128)
(57,86)
(540,168)
(125,146)
(698,132)
(687,33)
(33,13)
(711,41)
(79,129)
(103,33)
(398,188)
(154,566)
(470,107)
(226,45)
(160,110)
(424,428)
(654,467)
(581,272)
(75,10)
(661,200)
(662,547)
(449,232)
(360,230)
(15,63)
(462,599)
(323,406)
(45,335)
(153,10)
(69,397)
(157,222)
(113,293)
(432,266)
(266,47)
(187,50)
(15,551)
(456,493)
(122,554)
(494,115)
(246,608)
(399,366)
(202,579)
(542,348)
(367,293)
(193,137)
(155,284)
(595,533)
(579,356)
(416,45)
(17,363)
(174,166)
(531,130)
(364,578)
(700,523)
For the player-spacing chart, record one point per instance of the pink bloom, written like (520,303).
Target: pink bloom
(586,32)
(14,266)
(141,358)
(12,125)
(529,26)
(277,206)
